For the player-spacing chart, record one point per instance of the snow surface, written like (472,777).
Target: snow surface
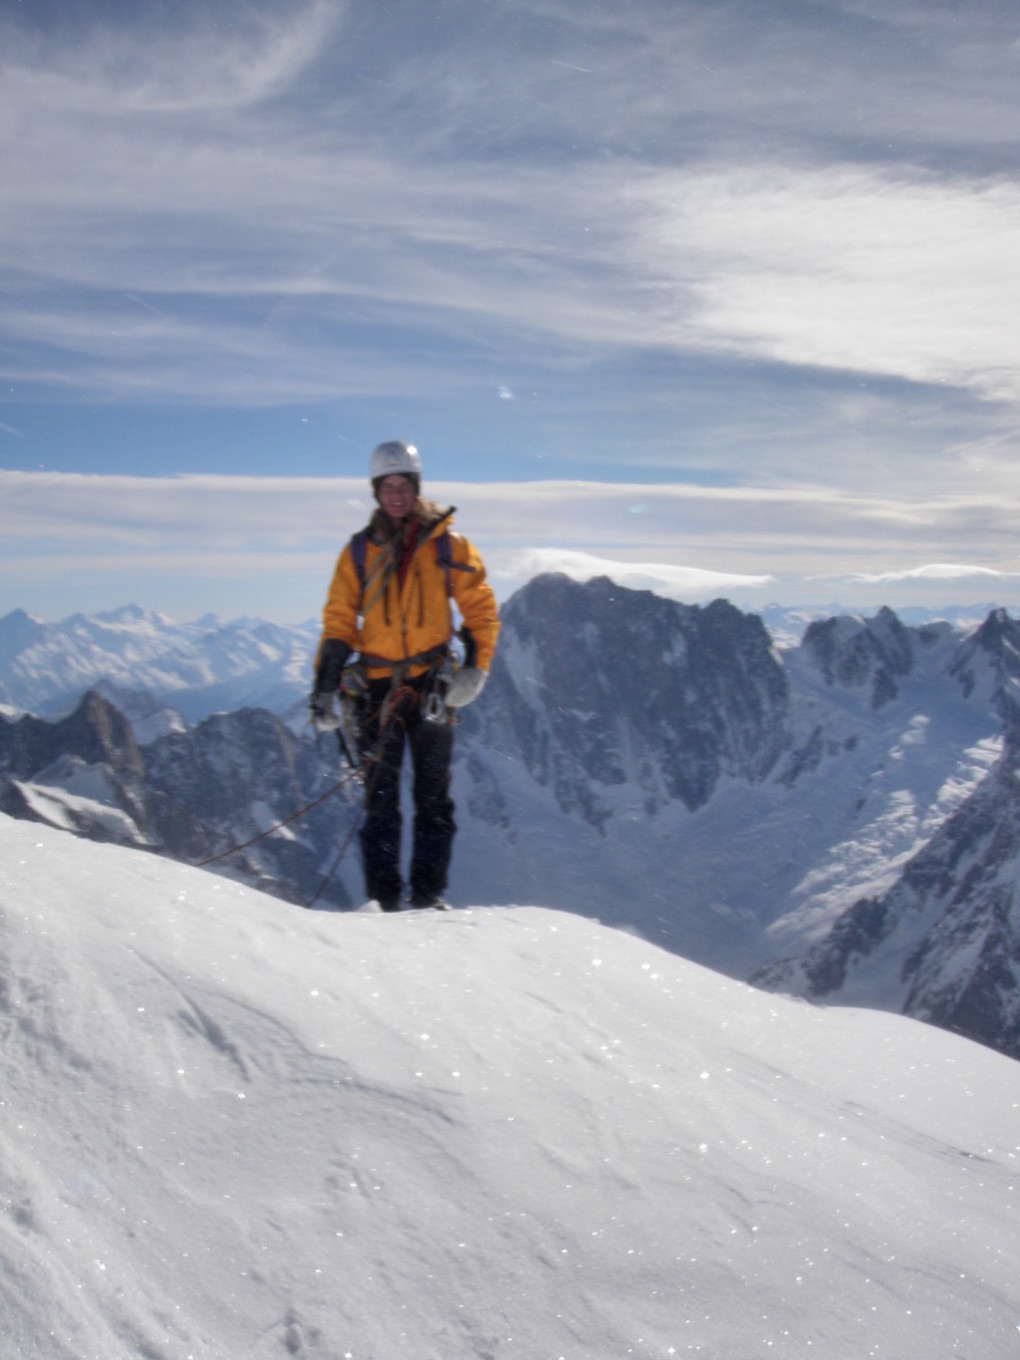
(236,1130)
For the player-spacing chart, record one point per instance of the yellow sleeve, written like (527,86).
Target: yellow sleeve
(475,599)
(340,614)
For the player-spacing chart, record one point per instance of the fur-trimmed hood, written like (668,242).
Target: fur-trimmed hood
(430,515)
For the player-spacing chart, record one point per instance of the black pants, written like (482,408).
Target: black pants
(392,720)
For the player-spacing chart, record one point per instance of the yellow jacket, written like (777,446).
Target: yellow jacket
(391,623)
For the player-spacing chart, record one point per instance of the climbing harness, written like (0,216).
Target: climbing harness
(354,695)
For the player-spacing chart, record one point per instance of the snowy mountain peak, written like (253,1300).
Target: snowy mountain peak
(943,943)
(601,687)
(988,663)
(198,668)
(19,630)
(134,614)
(855,652)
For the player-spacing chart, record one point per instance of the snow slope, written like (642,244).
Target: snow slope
(232,1128)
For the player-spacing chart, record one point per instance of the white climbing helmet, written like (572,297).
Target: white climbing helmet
(395,457)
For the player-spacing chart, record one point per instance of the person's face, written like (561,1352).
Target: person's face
(396,496)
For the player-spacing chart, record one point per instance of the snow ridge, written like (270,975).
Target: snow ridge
(235,1128)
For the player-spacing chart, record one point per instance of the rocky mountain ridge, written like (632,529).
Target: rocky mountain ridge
(943,943)
(193,795)
(700,696)
(666,768)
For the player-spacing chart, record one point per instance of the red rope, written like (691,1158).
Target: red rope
(213,859)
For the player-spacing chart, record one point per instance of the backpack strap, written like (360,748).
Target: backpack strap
(358,542)
(444,556)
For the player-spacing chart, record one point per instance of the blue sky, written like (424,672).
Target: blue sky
(720,298)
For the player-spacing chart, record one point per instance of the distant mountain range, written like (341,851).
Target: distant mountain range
(838,817)
(197,668)
(149,663)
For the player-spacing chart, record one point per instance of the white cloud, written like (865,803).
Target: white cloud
(249,215)
(882,271)
(162,170)
(258,538)
(623,519)
(145,68)
(938,571)
(676,581)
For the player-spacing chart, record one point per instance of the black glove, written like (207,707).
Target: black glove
(470,646)
(333,655)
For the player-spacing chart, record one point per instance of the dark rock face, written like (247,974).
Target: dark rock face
(95,733)
(992,654)
(965,974)
(190,795)
(855,652)
(596,686)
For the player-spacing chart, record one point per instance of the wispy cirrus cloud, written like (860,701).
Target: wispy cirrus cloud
(762,263)
(233,57)
(180,170)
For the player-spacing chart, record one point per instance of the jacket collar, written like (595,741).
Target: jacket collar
(429,516)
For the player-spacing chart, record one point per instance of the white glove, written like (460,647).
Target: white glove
(465,687)
(322,712)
